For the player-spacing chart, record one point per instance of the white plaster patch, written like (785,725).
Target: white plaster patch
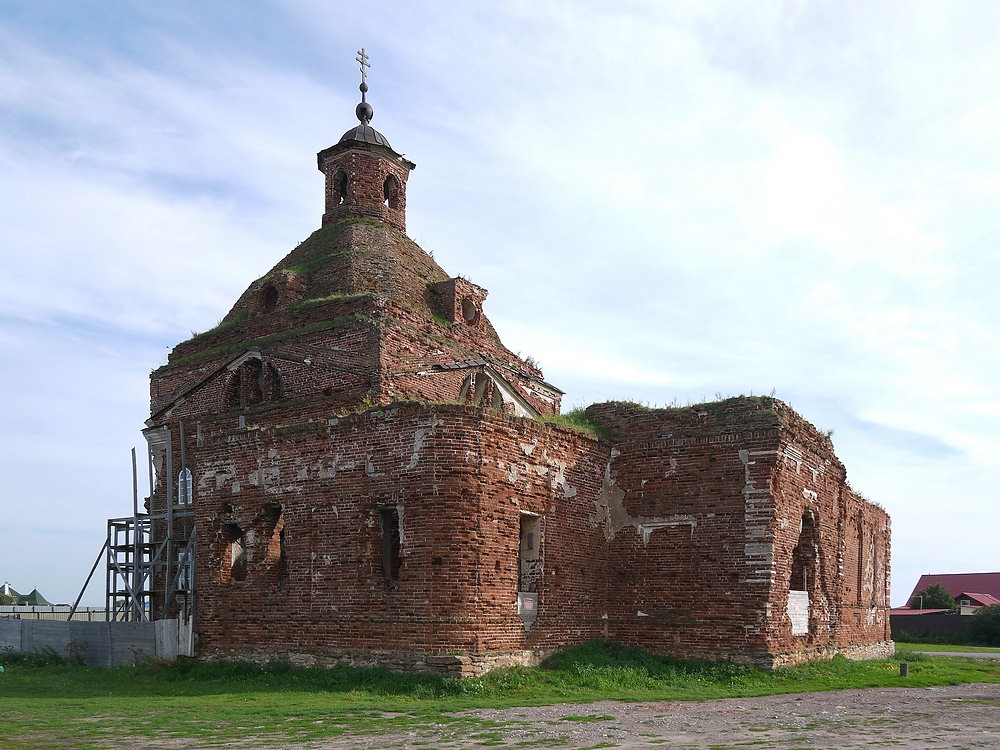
(419,438)
(558,480)
(512,475)
(370,467)
(646,528)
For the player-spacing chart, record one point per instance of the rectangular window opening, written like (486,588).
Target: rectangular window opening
(529,553)
(389,520)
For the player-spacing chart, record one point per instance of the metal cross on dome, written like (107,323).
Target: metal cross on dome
(363,59)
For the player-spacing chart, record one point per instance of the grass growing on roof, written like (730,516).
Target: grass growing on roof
(576,420)
(320,239)
(57,704)
(342,296)
(234,346)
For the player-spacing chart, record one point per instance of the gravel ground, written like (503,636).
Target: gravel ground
(961,716)
(958,717)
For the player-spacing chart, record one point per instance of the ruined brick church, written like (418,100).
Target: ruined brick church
(369,478)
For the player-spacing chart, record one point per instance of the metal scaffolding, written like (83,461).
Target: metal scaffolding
(150,557)
(150,573)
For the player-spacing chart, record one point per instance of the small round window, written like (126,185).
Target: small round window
(269,298)
(470,311)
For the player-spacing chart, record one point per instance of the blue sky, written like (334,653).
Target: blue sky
(667,201)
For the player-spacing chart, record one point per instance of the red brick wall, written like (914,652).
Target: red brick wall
(676,535)
(706,504)
(459,477)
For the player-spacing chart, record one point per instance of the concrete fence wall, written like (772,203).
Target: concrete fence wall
(102,644)
(53,612)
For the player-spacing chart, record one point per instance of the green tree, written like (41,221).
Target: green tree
(6,599)
(984,626)
(934,596)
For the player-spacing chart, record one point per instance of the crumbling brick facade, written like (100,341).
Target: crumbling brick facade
(374,481)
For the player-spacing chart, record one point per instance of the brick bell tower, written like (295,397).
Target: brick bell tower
(365,177)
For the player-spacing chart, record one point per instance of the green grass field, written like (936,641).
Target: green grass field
(47,705)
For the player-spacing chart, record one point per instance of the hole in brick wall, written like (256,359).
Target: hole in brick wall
(390,191)
(389,521)
(277,555)
(234,557)
(804,555)
(269,298)
(529,553)
(254,382)
(470,311)
(340,185)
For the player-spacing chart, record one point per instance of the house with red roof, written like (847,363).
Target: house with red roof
(971,591)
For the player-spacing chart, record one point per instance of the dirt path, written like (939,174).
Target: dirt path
(965,654)
(962,716)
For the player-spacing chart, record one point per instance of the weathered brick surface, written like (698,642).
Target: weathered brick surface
(712,498)
(361,477)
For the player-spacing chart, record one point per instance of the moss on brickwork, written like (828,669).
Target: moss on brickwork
(320,240)
(235,346)
(337,296)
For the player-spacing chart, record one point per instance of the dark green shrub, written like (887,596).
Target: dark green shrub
(984,627)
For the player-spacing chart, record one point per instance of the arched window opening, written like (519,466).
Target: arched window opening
(390,191)
(803,574)
(269,298)
(185,492)
(340,181)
